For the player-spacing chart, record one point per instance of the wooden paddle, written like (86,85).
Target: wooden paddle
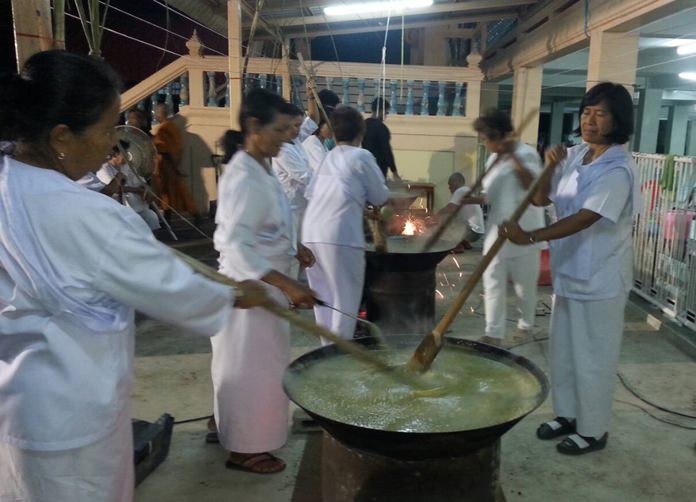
(435,236)
(294,318)
(430,346)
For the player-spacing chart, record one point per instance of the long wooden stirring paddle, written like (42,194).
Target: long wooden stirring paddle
(430,346)
(351,348)
(435,236)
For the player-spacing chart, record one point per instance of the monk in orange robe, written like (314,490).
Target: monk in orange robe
(167,177)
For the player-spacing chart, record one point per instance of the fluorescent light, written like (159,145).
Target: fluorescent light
(369,7)
(686,49)
(688,75)
(678,42)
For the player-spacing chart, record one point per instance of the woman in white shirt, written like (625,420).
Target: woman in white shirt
(595,194)
(73,266)
(511,167)
(316,144)
(254,239)
(333,224)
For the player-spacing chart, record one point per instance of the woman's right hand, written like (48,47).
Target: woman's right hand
(300,295)
(555,154)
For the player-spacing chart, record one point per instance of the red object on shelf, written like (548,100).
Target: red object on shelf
(545,269)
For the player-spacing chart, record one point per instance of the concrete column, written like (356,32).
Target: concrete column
(676,129)
(489,96)
(526,100)
(234,42)
(613,57)
(648,120)
(556,126)
(434,46)
(691,138)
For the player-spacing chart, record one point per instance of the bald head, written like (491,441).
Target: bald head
(456,180)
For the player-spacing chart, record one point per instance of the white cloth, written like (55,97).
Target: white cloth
(66,310)
(470,214)
(91,182)
(316,152)
(348,178)
(307,129)
(596,263)
(291,167)
(135,201)
(251,352)
(523,272)
(337,278)
(504,193)
(100,472)
(584,348)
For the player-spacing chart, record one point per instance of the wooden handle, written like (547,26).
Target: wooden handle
(295,319)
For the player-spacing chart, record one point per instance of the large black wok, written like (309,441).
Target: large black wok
(416,445)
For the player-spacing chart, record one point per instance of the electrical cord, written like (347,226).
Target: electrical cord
(189,420)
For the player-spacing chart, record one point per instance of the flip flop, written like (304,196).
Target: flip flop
(255,462)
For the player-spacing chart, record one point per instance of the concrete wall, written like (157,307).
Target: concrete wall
(427,149)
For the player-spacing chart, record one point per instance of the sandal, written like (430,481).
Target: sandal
(258,463)
(212,436)
(575,444)
(559,426)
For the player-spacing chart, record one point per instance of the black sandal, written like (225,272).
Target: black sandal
(552,429)
(575,444)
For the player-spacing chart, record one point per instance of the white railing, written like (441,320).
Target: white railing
(665,235)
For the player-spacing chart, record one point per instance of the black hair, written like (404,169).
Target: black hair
(55,87)
(262,105)
(230,144)
(494,124)
(347,123)
(620,103)
(379,103)
(292,110)
(329,98)
(322,120)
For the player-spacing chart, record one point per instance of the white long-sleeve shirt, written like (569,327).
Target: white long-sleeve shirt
(254,225)
(349,177)
(73,266)
(504,193)
(291,167)
(315,150)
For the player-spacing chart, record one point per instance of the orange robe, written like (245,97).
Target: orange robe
(167,177)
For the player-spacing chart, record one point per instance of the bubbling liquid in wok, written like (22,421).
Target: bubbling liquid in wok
(478,392)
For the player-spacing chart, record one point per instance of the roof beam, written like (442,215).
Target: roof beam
(324,31)
(442,8)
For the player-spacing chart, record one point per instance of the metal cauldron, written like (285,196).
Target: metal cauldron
(417,445)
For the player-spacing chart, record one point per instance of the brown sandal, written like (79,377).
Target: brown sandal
(258,463)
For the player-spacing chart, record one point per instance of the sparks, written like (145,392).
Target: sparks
(409,228)
(440,294)
(456,263)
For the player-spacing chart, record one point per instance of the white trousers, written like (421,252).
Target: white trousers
(100,472)
(249,360)
(585,345)
(524,273)
(337,277)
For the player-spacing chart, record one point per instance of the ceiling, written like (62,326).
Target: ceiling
(297,19)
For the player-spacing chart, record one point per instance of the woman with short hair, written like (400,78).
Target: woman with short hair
(595,194)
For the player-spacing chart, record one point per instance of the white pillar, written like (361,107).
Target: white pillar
(556,126)
(691,141)
(526,100)
(648,120)
(676,129)
(234,43)
(613,57)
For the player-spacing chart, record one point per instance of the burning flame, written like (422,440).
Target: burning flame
(409,228)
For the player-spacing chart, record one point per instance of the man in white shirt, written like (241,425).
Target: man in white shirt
(468,226)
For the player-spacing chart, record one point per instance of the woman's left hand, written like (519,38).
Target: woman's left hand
(304,256)
(511,231)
